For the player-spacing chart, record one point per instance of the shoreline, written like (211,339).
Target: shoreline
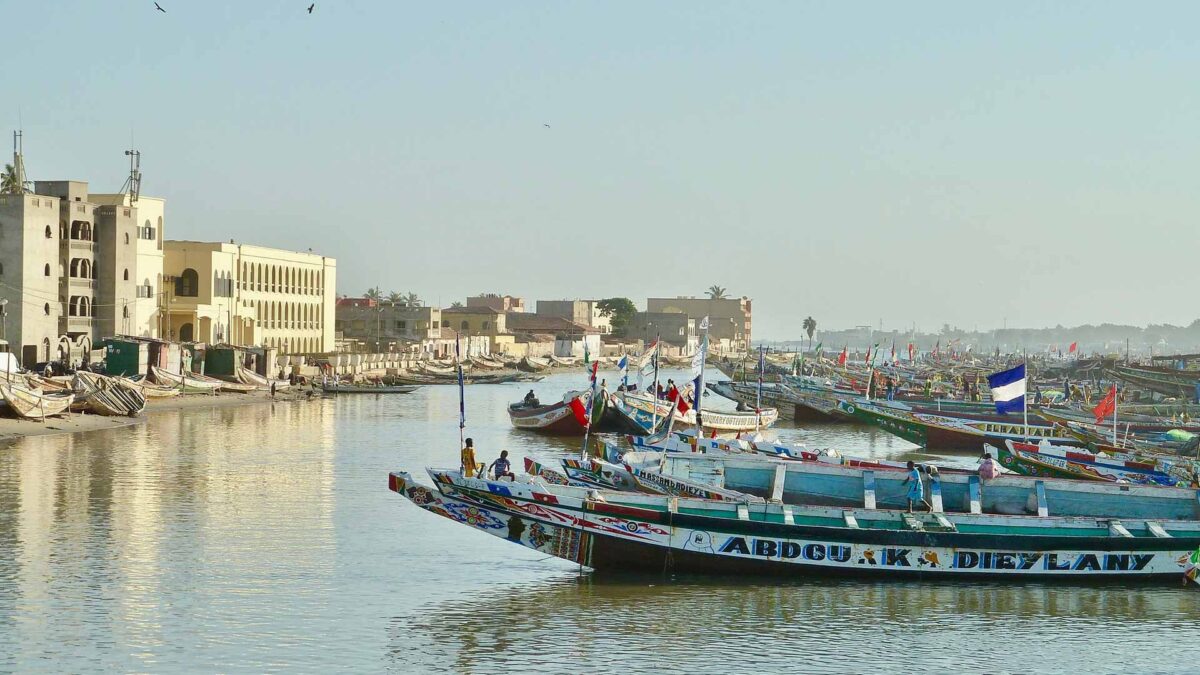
(14,428)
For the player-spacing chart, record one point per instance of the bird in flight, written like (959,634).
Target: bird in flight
(546,125)
(159,8)
(310,7)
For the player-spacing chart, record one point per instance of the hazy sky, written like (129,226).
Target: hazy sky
(910,162)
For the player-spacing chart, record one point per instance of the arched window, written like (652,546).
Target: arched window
(485,325)
(465,326)
(186,332)
(126,238)
(46,309)
(46,270)
(187,285)
(125,312)
(49,232)
(126,274)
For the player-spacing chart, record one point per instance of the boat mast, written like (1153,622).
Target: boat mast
(698,385)
(1025,395)
(462,407)
(654,390)
(758,393)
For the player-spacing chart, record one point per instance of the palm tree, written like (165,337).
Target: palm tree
(810,327)
(8,181)
(716,292)
(413,300)
(396,297)
(456,304)
(373,293)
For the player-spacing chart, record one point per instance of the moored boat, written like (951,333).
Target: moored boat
(188,383)
(557,418)
(33,405)
(340,388)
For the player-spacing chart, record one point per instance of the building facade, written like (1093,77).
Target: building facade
(673,328)
(586,312)
(384,323)
(250,296)
(733,326)
(499,303)
(145,319)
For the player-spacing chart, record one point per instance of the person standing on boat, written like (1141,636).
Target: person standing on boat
(468,464)
(502,467)
(989,468)
(916,490)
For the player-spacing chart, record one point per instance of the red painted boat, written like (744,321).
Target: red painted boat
(556,419)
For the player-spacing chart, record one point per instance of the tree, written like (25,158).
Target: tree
(373,293)
(717,292)
(810,327)
(413,300)
(620,313)
(396,297)
(8,181)
(456,304)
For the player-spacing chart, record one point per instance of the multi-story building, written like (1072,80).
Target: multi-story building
(729,318)
(500,303)
(381,323)
(586,312)
(69,267)
(249,295)
(673,328)
(145,319)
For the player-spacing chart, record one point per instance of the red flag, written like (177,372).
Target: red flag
(937,348)
(1107,405)
(1074,346)
(842,357)
(867,358)
(580,410)
(911,349)
(682,406)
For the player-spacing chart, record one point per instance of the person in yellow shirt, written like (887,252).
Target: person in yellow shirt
(468,465)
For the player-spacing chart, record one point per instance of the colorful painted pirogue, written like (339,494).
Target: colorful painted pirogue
(945,432)
(1031,459)
(625,532)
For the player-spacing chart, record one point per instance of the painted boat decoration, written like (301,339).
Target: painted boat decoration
(547,474)
(33,405)
(624,532)
(601,474)
(188,383)
(1045,459)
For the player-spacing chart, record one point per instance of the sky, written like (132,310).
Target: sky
(977,164)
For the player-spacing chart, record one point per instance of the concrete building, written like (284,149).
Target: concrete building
(586,312)
(729,318)
(384,323)
(481,321)
(145,308)
(500,303)
(249,295)
(570,337)
(673,328)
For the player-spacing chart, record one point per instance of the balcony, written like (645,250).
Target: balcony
(81,246)
(74,324)
(79,284)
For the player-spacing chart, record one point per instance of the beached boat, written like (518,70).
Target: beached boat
(557,418)
(624,532)
(530,364)
(261,382)
(108,395)
(340,388)
(189,383)
(33,405)
(151,390)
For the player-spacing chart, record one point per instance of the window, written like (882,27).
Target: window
(126,238)
(46,309)
(188,285)
(49,233)
(46,270)
(126,274)
(401,325)
(485,325)
(465,326)
(445,324)
(125,312)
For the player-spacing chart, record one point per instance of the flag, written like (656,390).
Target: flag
(1074,346)
(842,356)
(1106,406)
(818,350)
(700,355)
(867,356)
(911,352)
(703,324)
(587,356)
(894,361)
(874,356)
(580,411)
(1008,389)
(937,348)
(623,366)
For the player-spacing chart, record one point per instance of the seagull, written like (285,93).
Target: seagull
(159,8)
(310,7)
(546,125)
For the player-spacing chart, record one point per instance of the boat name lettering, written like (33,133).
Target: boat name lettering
(1088,562)
(773,548)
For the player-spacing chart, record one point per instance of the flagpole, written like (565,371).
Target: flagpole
(1025,396)
(591,411)
(462,407)
(1114,390)
(654,394)
(699,384)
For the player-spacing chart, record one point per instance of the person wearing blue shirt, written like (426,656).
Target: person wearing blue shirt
(502,467)
(916,491)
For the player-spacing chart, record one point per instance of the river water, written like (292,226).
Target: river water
(264,538)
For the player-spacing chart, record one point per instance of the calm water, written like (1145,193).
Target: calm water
(265,539)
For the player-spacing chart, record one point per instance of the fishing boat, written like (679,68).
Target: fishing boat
(628,531)
(344,388)
(188,383)
(557,418)
(530,364)
(1167,381)
(945,432)
(150,390)
(724,422)
(108,396)
(261,382)
(33,405)
(1046,459)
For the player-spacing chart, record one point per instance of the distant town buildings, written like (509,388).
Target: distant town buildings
(729,318)
(500,303)
(585,312)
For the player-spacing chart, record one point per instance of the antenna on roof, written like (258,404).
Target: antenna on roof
(133,184)
(20,182)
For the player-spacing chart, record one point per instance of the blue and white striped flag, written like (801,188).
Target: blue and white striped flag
(623,366)
(1008,389)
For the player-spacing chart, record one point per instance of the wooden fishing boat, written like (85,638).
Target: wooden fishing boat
(260,382)
(944,432)
(1046,459)
(32,405)
(486,364)
(1167,381)
(336,388)
(627,531)
(564,362)
(530,364)
(720,421)
(448,372)
(188,383)
(150,390)
(108,395)
(557,418)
